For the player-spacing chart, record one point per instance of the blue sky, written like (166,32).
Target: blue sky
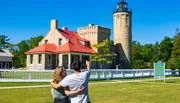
(23,19)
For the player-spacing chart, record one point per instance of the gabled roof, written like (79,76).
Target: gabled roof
(70,35)
(5,53)
(43,48)
(75,44)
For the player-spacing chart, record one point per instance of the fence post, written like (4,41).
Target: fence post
(123,73)
(104,75)
(133,73)
(150,73)
(29,75)
(111,74)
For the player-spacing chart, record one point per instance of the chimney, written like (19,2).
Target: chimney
(54,24)
(64,28)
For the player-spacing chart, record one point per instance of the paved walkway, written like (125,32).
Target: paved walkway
(113,82)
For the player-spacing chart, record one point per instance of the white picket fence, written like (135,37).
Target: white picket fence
(96,74)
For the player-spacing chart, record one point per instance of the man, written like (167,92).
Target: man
(76,81)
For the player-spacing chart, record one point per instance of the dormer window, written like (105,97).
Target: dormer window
(87,44)
(60,41)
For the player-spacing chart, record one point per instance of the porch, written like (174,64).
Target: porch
(49,61)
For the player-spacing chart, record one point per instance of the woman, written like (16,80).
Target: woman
(59,95)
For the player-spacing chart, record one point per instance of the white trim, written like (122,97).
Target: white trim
(75,53)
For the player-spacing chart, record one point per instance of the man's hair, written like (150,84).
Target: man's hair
(76,65)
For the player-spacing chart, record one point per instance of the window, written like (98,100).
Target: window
(31,59)
(39,58)
(87,44)
(127,19)
(57,59)
(49,59)
(60,41)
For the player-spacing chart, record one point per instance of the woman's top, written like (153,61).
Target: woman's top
(59,93)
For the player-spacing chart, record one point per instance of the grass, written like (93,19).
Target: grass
(136,92)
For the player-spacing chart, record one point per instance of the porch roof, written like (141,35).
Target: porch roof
(43,48)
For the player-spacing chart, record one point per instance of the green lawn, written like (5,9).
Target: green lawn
(141,92)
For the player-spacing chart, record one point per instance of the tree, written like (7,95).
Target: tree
(103,54)
(19,59)
(16,59)
(156,53)
(137,58)
(111,42)
(34,41)
(147,55)
(23,47)
(174,62)
(4,41)
(147,52)
(165,49)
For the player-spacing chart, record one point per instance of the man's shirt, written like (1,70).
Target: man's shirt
(75,82)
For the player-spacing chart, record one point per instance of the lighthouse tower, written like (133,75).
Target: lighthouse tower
(123,34)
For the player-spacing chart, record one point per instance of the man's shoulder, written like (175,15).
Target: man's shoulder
(70,76)
(87,71)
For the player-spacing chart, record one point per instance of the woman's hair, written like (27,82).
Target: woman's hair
(58,74)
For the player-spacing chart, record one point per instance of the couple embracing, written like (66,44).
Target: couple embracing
(74,86)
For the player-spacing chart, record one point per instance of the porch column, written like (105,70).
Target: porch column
(80,57)
(69,61)
(60,59)
(27,61)
(43,61)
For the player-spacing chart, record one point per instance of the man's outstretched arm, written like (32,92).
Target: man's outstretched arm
(88,65)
